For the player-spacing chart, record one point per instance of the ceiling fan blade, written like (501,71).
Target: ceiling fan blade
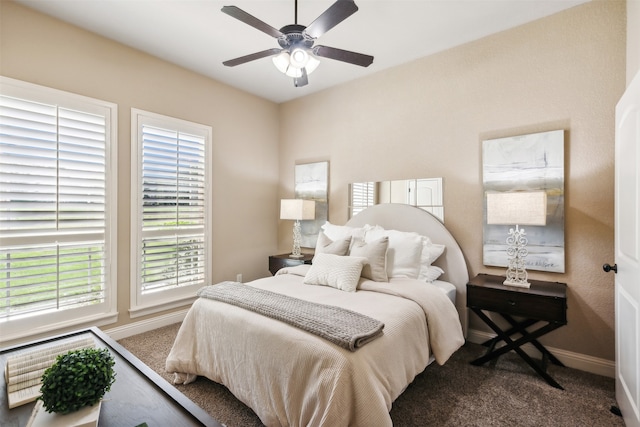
(302,80)
(251,57)
(337,12)
(343,55)
(248,19)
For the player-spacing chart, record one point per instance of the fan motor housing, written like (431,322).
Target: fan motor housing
(294,36)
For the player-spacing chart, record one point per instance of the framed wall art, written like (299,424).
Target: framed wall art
(527,163)
(312,183)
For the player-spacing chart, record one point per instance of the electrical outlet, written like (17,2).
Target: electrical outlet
(239,277)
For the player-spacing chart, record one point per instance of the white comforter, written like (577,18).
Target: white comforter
(292,378)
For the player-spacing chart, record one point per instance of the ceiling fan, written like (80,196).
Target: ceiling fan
(297,54)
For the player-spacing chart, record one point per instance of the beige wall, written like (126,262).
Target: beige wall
(46,51)
(633,39)
(428,118)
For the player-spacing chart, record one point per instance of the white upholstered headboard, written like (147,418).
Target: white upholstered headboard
(395,216)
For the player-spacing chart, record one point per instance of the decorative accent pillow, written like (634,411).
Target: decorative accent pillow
(403,255)
(337,232)
(430,252)
(431,273)
(324,245)
(376,254)
(340,272)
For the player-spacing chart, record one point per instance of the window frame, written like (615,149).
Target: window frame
(23,327)
(144,304)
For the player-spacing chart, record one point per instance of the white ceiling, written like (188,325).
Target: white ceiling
(196,35)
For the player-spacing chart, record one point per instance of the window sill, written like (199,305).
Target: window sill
(40,332)
(143,310)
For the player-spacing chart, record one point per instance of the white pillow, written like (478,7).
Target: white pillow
(430,252)
(404,253)
(324,245)
(340,272)
(376,254)
(337,232)
(431,273)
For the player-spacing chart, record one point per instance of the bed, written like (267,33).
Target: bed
(291,377)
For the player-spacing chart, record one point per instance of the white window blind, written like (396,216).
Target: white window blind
(171,208)
(53,206)
(362,196)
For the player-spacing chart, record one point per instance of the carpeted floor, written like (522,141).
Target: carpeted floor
(505,393)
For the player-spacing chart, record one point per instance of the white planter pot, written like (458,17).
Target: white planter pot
(85,417)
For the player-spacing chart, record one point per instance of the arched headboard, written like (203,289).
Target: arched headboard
(395,216)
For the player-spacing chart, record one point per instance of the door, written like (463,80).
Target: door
(627,253)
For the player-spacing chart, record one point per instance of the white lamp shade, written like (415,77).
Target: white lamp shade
(297,209)
(517,208)
(281,61)
(298,58)
(312,64)
(286,64)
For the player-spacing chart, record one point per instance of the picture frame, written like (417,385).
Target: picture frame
(527,163)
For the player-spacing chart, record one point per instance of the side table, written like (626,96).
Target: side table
(542,302)
(276,262)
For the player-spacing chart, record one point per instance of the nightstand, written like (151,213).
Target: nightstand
(542,302)
(276,262)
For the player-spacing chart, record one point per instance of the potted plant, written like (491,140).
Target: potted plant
(77,379)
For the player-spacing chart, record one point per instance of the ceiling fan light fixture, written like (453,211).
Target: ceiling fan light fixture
(299,58)
(283,64)
(312,64)
(286,64)
(281,61)
(294,72)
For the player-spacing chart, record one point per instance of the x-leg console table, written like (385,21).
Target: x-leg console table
(542,302)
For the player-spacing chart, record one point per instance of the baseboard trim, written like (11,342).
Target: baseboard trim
(579,361)
(124,331)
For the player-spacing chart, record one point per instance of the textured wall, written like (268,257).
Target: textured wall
(428,118)
(633,39)
(42,50)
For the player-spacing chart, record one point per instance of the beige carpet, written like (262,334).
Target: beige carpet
(506,393)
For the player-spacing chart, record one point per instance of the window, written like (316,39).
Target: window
(57,210)
(170,211)
(362,195)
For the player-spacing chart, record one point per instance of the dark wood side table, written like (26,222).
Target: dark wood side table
(276,262)
(542,302)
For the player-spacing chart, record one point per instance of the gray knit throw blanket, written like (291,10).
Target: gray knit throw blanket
(343,327)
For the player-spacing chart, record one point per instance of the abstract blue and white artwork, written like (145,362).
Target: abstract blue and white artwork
(312,183)
(527,163)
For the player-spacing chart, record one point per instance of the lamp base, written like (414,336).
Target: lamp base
(518,284)
(296,256)
(516,252)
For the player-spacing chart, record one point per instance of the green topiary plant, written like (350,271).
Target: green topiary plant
(77,379)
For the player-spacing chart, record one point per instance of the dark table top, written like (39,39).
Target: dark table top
(139,395)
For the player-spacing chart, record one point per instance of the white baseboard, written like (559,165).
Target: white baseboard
(120,332)
(579,361)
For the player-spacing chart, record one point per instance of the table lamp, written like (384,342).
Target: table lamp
(517,208)
(297,209)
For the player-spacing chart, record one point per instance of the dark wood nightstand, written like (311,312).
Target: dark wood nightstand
(276,262)
(542,302)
